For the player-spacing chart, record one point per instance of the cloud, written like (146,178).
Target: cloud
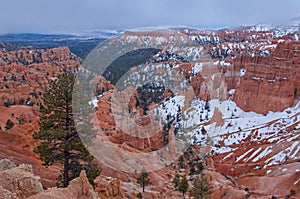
(79,15)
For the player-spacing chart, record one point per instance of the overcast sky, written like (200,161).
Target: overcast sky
(50,16)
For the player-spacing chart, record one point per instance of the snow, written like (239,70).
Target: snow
(296,151)
(261,28)
(284,169)
(231,91)
(293,138)
(171,106)
(253,154)
(257,167)
(198,67)
(257,78)
(265,152)
(131,38)
(160,40)
(296,37)
(227,156)
(223,63)
(94,102)
(282,155)
(242,156)
(242,72)
(224,150)
(238,126)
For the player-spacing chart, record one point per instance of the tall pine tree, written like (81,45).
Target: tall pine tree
(60,142)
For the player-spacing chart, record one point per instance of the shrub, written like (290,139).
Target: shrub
(293,192)
(139,195)
(9,124)
(7,104)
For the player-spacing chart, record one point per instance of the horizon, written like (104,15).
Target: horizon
(95,32)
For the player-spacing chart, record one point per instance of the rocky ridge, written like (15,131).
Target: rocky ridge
(259,73)
(25,74)
(20,182)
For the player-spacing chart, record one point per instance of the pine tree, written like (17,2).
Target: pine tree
(201,189)
(176,181)
(143,180)
(9,124)
(60,142)
(183,185)
(139,195)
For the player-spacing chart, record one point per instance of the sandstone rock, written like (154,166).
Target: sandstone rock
(108,187)
(82,187)
(17,144)
(20,181)
(79,188)
(6,164)
(25,74)
(270,83)
(5,194)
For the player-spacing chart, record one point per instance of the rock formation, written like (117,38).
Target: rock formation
(17,144)
(108,187)
(257,69)
(79,188)
(270,83)
(25,74)
(18,182)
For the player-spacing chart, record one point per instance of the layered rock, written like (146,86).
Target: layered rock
(108,187)
(17,144)
(25,74)
(269,83)
(19,182)
(79,188)
(6,164)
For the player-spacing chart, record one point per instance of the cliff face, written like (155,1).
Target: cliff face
(25,74)
(270,61)
(269,83)
(117,128)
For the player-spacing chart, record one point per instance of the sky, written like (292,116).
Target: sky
(74,16)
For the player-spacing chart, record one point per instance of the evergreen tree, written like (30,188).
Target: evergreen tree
(9,124)
(176,181)
(60,142)
(143,180)
(201,189)
(183,185)
(292,192)
(139,195)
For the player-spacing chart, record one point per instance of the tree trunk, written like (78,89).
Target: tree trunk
(143,187)
(66,153)
(66,169)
